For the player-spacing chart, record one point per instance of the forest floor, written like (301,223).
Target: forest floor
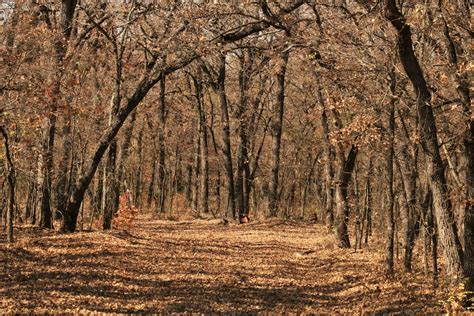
(203,266)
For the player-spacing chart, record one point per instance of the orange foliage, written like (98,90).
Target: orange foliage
(126,213)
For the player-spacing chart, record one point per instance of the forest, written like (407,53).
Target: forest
(239,156)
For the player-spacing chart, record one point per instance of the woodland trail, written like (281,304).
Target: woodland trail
(203,267)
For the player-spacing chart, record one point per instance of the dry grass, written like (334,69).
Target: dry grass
(203,266)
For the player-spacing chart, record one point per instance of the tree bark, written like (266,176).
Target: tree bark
(46,217)
(204,148)
(161,148)
(389,168)
(429,139)
(11,186)
(463,84)
(328,165)
(276,129)
(342,207)
(142,88)
(151,77)
(137,190)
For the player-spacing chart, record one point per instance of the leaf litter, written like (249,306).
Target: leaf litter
(202,266)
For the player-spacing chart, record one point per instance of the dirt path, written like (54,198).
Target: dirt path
(202,266)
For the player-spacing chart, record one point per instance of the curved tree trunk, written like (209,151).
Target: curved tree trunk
(429,139)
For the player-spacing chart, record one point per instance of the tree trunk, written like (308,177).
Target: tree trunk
(204,148)
(142,88)
(161,148)
(342,207)
(137,201)
(463,84)
(276,129)
(151,186)
(63,181)
(197,170)
(112,187)
(11,186)
(429,139)
(226,146)
(389,168)
(46,217)
(242,186)
(125,153)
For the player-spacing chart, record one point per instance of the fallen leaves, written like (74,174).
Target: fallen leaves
(202,266)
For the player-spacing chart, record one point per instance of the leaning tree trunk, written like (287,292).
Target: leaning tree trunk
(150,78)
(277,126)
(429,139)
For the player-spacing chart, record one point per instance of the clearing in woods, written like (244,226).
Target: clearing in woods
(203,266)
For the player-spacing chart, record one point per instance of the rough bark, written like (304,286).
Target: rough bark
(243,169)
(161,148)
(151,186)
(226,146)
(11,186)
(276,132)
(391,196)
(342,207)
(463,85)
(125,153)
(204,149)
(197,169)
(153,76)
(137,189)
(429,139)
(328,165)
(46,165)
(142,88)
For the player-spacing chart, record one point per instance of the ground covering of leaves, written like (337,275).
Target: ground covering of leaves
(202,267)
